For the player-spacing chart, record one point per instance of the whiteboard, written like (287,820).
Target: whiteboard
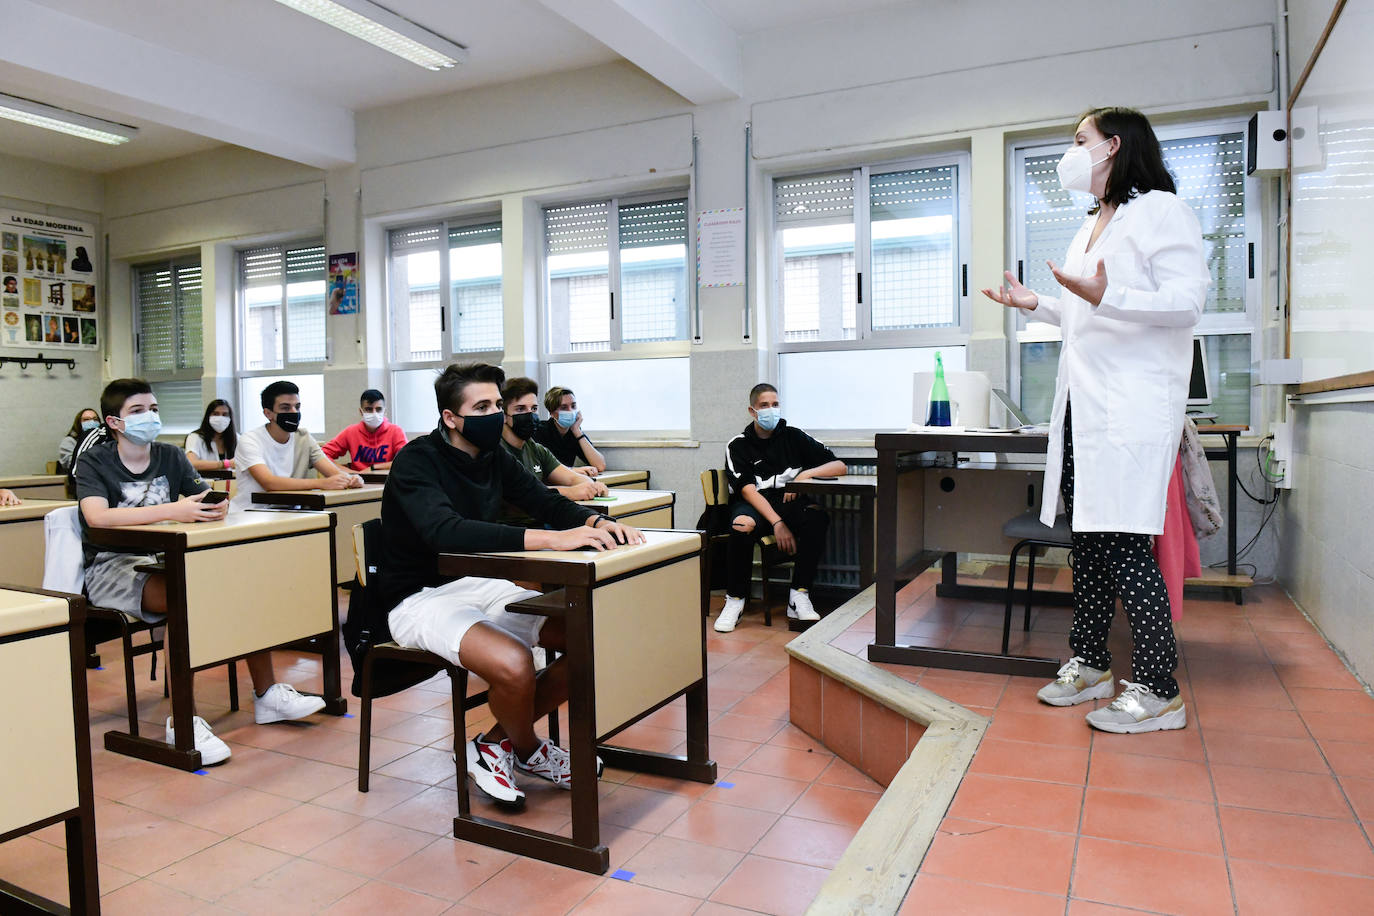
(1331,319)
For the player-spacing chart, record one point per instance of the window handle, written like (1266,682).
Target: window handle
(613,305)
(859,286)
(443,322)
(1251,257)
(1020,271)
(963,271)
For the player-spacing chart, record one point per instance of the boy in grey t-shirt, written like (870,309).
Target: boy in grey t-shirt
(132,479)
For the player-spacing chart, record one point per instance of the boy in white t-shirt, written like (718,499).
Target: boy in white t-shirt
(279,455)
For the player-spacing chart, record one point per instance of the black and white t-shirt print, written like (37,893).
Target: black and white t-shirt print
(145,493)
(169,476)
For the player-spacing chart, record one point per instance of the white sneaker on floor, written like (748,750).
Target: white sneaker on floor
(1139,709)
(729,615)
(551,762)
(1077,683)
(491,766)
(281,702)
(799,605)
(212,749)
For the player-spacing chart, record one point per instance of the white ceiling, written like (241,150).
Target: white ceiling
(192,74)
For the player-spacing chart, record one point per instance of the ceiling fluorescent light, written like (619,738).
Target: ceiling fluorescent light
(68,122)
(383,28)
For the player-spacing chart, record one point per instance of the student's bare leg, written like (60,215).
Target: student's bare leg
(260,670)
(551,686)
(506,665)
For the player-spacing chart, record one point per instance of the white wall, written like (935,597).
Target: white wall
(38,403)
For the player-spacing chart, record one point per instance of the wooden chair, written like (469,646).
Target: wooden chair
(1030,533)
(716,489)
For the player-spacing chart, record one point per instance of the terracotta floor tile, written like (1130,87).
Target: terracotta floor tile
(789,763)
(841,773)
(756,790)
(757,729)
(710,908)
(728,753)
(1361,795)
(626,898)
(300,886)
(428,765)
(301,829)
(834,805)
(1279,790)
(1276,723)
(282,774)
(771,886)
(1018,803)
(220,869)
(448,868)
(1176,744)
(140,843)
(1348,758)
(376,897)
(1152,820)
(1047,762)
(1088,908)
(1328,674)
(1297,841)
(177,792)
(1270,890)
(682,866)
(143,897)
(791,736)
(1064,727)
(1127,874)
(815,843)
(1033,860)
(670,786)
(41,869)
(763,705)
(1334,726)
(963,692)
(1150,776)
(236,811)
(642,809)
(527,887)
(725,826)
(1317,699)
(370,848)
(432,811)
(1263,751)
(418,730)
(938,894)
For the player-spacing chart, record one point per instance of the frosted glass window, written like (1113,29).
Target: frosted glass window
(601,388)
(856,389)
(412,405)
(249,408)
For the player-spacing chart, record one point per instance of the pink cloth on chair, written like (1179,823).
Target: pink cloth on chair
(1176,549)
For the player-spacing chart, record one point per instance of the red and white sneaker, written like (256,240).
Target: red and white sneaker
(551,762)
(491,768)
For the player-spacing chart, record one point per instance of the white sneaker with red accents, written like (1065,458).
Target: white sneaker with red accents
(491,767)
(551,762)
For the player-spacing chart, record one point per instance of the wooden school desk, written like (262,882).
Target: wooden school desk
(640,508)
(36,486)
(636,633)
(256,580)
(351,507)
(864,489)
(45,766)
(378,476)
(628,480)
(21,540)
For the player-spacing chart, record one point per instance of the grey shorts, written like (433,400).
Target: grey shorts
(112,582)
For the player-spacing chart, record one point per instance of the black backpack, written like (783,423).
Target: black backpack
(366,625)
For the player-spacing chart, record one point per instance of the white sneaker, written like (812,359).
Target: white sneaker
(729,615)
(551,762)
(491,766)
(799,605)
(1139,709)
(1077,683)
(212,749)
(281,702)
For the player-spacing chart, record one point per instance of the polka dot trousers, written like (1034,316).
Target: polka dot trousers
(1108,565)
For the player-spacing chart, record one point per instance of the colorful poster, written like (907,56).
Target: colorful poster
(49,298)
(720,248)
(343,283)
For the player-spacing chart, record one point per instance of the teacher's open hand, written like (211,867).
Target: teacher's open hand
(1089,289)
(1013,295)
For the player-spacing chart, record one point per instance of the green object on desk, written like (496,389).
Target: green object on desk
(604,499)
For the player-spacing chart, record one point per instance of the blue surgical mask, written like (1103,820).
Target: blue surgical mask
(769,417)
(88,425)
(566,418)
(142,428)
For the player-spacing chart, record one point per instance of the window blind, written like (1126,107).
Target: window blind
(1210,175)
(470,236)
(916,193)
(815,200)
(190,330)
(169,317)
(305,264)
(576,228)
(414,237)
(648,225)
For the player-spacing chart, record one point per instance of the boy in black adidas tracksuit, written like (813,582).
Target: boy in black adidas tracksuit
(760,462)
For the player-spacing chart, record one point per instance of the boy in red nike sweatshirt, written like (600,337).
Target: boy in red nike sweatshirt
(371,444)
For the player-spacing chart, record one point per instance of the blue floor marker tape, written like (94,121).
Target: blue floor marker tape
(725,785)
(348,715)
(201,772)
(621,874)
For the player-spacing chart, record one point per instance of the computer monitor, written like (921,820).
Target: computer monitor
(1199,383)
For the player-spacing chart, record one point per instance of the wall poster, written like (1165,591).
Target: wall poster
(50,289)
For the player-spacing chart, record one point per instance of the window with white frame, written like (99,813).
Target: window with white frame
(170,355)
(281,326)
(869,282)
(440,308)
(617,300)
(1208,165)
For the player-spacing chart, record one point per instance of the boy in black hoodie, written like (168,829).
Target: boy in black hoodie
(443,495)
(759,463)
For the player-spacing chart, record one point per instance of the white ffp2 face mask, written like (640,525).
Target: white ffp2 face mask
(1076,168)
(219,423)
(373,418)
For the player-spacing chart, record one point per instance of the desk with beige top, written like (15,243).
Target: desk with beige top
(625,480)
(21,540)
(350,507)
(36,486)
(45,758)
(256,580)
(640,508)
(635,623)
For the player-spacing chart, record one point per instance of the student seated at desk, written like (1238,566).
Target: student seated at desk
(132,479)
(521,397)
(443,496)
(562,433)
(7,498)
(759,463)
(85,422)
(278,455)
(372,443)
(214,442)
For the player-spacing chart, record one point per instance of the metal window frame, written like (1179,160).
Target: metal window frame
(288,366)
(179,374)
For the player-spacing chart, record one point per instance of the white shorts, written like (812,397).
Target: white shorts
(437,619)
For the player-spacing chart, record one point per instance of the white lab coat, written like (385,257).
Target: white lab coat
(1125,364)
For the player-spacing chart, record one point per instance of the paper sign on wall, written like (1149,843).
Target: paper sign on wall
(48,283)
(720,247)
(343,283)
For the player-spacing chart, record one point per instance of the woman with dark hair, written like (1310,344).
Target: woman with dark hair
(1133,283)
(213,443)
(85,421)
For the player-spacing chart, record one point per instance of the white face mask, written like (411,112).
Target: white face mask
(1076,168)
(219,423)
(373,418)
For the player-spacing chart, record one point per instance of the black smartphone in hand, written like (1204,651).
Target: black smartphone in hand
(214,497)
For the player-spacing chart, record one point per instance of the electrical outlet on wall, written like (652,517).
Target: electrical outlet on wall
(1280,466)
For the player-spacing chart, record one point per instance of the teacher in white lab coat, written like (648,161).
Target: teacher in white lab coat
(1133,285)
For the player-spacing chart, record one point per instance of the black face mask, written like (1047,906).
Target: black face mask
(522,424)
(289,421)
(484,431)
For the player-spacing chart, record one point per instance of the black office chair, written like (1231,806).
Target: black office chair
(716,491)
(1030,532)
